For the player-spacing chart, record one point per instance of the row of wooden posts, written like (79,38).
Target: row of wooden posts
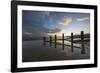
(50,41)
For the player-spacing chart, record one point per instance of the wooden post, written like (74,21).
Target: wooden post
(55,41)
(44,40)
(63,41)
(82,43)
(50,41)
(72,42)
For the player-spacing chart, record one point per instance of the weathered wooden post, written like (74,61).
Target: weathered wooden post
(63,41)
(55,38)
(82,43)
(50,40)
(72,42)
(44,41)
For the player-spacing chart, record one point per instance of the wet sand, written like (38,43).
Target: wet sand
(36,51)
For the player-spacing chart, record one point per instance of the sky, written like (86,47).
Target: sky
(42,23)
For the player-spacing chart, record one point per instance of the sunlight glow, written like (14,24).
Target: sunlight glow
(59,33)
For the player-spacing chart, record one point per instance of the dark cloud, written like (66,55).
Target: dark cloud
(33,20)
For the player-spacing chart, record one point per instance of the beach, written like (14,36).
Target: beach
(35,51)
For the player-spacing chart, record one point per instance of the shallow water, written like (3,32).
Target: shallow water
(69,43)
(36,51)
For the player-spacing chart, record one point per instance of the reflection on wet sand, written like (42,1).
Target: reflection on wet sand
(36,51)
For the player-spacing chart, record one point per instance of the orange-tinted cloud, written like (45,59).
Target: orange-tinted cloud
(65,21)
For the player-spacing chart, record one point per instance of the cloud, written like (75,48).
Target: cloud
(27,33)
(82,18)
(65,21)
(45,13)
(55,30)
